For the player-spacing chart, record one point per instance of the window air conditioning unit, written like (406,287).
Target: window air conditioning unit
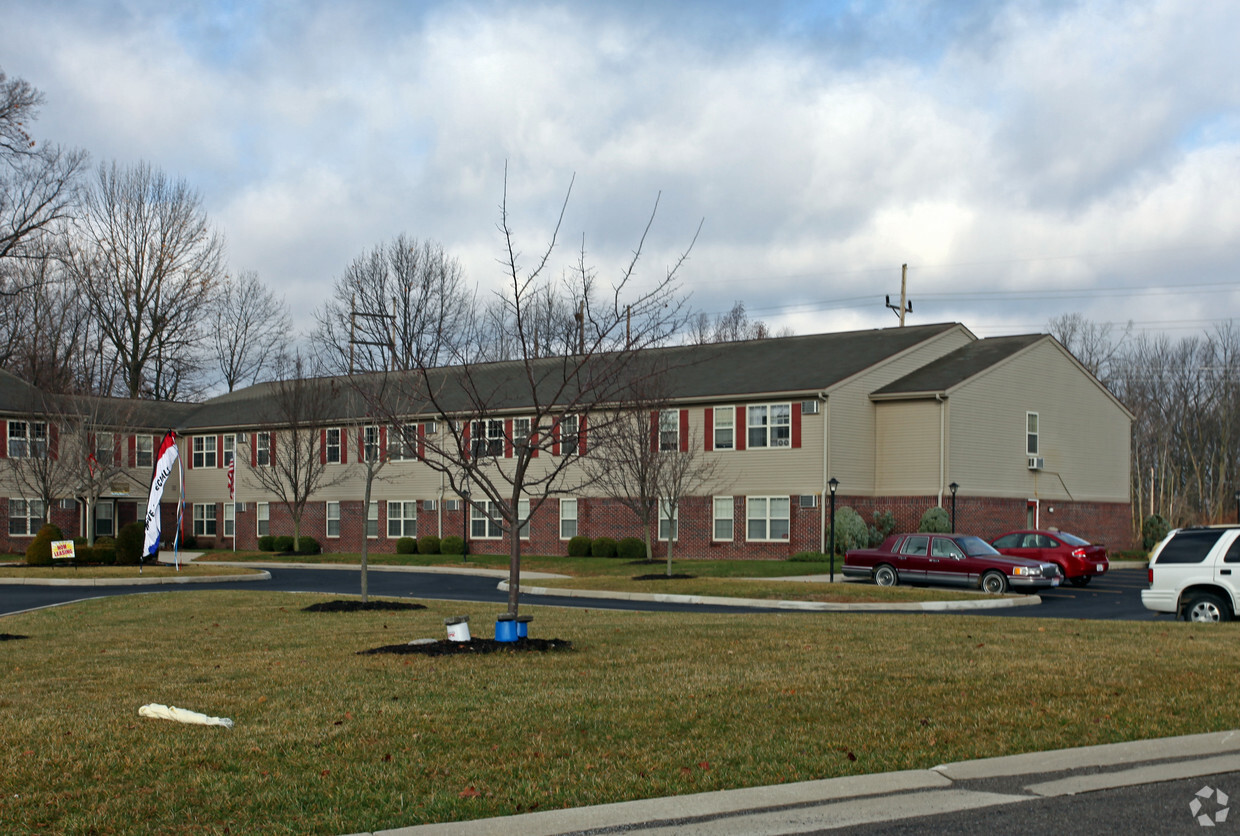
(428,505)
(810,407)
(452,504)
(809,500)
(432,427)
(68,504)
(1036,463)
(240,507)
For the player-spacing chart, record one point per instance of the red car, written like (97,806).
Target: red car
(1078,560)
(956,559)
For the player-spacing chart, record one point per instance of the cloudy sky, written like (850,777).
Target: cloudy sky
(1025,159)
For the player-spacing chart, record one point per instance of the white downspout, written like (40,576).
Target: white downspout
(942,444)
(826,467)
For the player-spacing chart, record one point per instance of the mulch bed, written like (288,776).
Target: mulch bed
(443,647)
(358,606)
(663,577)
(4,637)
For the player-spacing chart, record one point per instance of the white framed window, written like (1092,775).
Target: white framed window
(144,451)
(724,511)
(769,425)
(767,518)
(403,441)
(484,521)
(331,446)
(568,519)
(204,519)
(487,438)
(105,449)
(230,449)
(523,512)
(204,451)
(372,520)
(262,513)
(25,517)
(402,519)
(669,430)
(568,434)
(520,432)
(725,428)
(1031,433)
(105,519)
(27,439)
(669,521)
(262,449)
(370,445)
(230,519)
(333,519)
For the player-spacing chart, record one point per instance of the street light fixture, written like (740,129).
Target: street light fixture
(834,485)
(953,487)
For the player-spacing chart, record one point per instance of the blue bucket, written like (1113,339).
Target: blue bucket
(505,629)
(523,626)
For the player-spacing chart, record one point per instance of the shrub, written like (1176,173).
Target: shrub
(428,544)
(308,545)
(452,545)
(189,541)
(935,521)
(631,548)
(105,550)
(39,552)
(1153,530)
(129,544)
(603,547)
(884,524)
(851,532)
(811,557)
(284,543)
(83,553)
(406,545)
(267,543)
(579,546)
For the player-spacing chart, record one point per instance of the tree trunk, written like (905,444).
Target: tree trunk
(366,534)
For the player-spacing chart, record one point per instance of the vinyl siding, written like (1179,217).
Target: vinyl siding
(907,449)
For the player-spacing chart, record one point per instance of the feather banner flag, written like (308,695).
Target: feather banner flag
(165,457)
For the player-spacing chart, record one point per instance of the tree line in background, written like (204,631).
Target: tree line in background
(113,281)
(1185,398)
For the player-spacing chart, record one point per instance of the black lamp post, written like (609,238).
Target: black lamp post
(834,485)
(465,517)
(953,487)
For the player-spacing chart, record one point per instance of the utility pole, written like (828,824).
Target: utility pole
(905,305)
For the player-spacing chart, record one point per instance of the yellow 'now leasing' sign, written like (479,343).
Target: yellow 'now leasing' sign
(63,550)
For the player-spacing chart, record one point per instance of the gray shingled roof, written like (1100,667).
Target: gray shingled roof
(937,376)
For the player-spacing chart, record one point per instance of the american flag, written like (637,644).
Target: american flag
(232,492)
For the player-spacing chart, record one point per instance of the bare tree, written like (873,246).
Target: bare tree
(514,432)
(734,326)
(38,182)
(147,261)
(398,306)
(287,449)
(248,327)
(685,471)
(1094,344)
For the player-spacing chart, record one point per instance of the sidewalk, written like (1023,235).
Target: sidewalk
(866,799)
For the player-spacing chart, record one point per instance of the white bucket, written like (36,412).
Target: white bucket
(458,628)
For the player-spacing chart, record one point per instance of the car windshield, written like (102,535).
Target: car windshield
(1071,539)
(975,546)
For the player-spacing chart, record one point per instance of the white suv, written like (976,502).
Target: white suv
(1195,573)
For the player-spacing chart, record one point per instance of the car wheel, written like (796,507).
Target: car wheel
(994,582)
(886,576)
(1205,607)
(1083,580)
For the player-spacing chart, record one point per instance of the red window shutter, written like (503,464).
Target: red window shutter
(272,447)
(189,444)
(53,441)
(684,430)
(796,425)
(555,438)
(708,427)
(132,442)
(382,448)
(421,441)
(533,441)
(219,451)
(344,446)
(742,431)
(323,447)
(581,436)
(508,438)
(654,431)
(465,441)
(4,439)
(253,450)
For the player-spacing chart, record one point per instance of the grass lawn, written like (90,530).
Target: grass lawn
(647,704)
(148,571)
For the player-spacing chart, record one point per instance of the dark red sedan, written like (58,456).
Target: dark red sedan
(1078,559)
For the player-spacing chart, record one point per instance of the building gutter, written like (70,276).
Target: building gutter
(942,444)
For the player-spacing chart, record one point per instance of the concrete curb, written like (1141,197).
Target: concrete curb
(138,581)
(811,806)
(430,570)
(776,604)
